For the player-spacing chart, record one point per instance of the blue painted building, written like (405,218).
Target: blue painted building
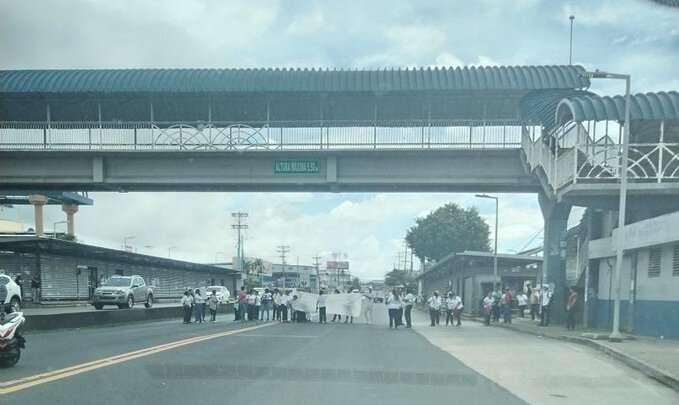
(649,278)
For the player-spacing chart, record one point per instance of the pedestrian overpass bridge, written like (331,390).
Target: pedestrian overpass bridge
(495,129)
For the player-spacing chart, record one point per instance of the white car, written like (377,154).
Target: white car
(222,293)
(10,293)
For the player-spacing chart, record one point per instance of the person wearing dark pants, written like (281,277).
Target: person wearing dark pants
(187,300)
(545,302)
(393,305)
(212,305)
(408,301)
(487,308)
(434,304)
(322,317)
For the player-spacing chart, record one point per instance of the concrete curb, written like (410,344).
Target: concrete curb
(650,371)
(72,320)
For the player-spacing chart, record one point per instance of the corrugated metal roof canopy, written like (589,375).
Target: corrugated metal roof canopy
(649,106)
(291,80)
(540,106)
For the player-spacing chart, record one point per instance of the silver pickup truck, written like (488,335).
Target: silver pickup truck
(123,291)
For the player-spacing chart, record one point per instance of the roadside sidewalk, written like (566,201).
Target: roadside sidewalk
(656,358)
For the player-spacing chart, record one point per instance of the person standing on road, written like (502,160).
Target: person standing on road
(570,308)
(320,304)
(497,297)
(258,306)
(488,303)
(267,303)
(449,305)
(457,309)
(408,302)
(534,303)
(212,303)
(336,316)
(187,301)
(285,297)
(367,307)
(522,301)
(393,304)
(545,301)
(250,300)
(242,303)
(506,302)
(199,306)
(434,304)
(276,304)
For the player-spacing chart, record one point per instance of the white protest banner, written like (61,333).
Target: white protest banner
(306,302)
(344,304)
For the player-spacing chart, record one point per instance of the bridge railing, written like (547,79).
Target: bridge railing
(260,136)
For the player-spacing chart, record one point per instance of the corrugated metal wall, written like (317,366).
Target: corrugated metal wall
(60,282)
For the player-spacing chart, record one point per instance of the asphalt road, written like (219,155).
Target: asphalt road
(253,363)
(286,363)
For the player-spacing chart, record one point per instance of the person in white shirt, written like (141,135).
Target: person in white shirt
(320,304)
(187,301)
(434,304)
(449,304)
(457,309)
(545,301)
(393,305)
(258,305)
(199,306)
(251,299)
(408,302)
(276,304)
(522,302)
(367,305)
(488,303)
(285,301)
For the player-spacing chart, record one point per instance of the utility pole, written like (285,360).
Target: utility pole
(239,218)
(283,250)
(570,48)
(317,264)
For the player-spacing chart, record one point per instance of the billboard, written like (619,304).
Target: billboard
(335,265)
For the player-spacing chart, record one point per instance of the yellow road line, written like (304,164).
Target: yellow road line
(27,382)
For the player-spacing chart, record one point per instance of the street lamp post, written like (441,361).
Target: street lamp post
(495,276)
(54,227)
(125,239)
(615,335)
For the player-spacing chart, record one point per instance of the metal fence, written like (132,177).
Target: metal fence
(260,136)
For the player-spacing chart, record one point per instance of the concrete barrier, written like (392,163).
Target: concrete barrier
(70,320)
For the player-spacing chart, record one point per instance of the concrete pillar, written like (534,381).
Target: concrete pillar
(70,210)
(555,215)
(38,201)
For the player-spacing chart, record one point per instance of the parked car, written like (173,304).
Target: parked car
(223,294)
(123,291)
(10,294)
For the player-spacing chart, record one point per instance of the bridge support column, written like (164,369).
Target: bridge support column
(555,215)
(70,210)
(38,201)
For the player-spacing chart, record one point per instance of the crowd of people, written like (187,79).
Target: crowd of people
(498,304)
(449,306)
(194,304)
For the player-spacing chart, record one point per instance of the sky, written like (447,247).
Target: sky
(638,37)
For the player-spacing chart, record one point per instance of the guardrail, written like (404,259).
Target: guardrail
(260,136)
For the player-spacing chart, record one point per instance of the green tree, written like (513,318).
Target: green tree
(448,229)
(399,277)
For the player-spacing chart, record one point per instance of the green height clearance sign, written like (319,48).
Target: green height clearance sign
(296,166)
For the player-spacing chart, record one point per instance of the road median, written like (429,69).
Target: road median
(89,318)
